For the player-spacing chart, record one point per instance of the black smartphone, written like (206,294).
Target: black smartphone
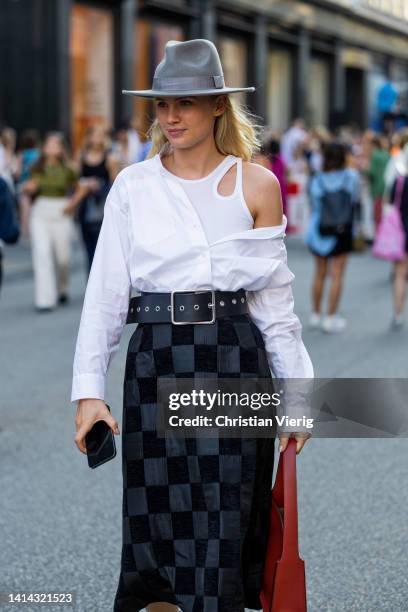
(100,444)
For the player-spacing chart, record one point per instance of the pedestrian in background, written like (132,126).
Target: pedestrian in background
(361,147)
(98,170)
(52,179)
(269,156)
(28,153)
(391,171)
(9,225)
(375,172)
(8,138)
(128,146)
(319,135)
(294,137)
(330,252)
(298,197)
(124,146)
(399,197)
(8,173)
(278,167)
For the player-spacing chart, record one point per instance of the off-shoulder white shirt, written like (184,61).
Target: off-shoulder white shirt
(151,239)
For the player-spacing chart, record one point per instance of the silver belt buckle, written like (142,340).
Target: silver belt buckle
(212,320)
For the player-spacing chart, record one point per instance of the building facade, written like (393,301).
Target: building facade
(65,62)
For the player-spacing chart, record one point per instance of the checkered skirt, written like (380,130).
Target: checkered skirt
(195,510)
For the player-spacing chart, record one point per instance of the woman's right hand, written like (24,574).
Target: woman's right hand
(88,412)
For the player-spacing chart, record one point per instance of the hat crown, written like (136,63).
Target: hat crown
(188,68)
(191,58)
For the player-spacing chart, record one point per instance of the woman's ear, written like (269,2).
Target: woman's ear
(220,105)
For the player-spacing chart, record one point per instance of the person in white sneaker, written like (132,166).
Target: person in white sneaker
(330,251)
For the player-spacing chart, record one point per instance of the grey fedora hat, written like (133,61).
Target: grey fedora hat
(190,68)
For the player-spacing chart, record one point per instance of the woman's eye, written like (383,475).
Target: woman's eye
(161,104)
(185,102)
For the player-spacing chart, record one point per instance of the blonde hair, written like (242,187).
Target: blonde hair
(235,132)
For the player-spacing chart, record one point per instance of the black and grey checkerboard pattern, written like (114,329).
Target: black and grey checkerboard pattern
(195,510)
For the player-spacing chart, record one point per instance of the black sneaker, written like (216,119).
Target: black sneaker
(63,299)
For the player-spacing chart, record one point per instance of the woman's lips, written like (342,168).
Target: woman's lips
(176,132)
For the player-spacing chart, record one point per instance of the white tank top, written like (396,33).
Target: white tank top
(220,215)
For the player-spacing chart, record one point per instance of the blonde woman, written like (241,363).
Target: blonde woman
(52,180)
(197,230)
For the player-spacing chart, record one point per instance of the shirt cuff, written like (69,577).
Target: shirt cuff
(86,386)
(295,413)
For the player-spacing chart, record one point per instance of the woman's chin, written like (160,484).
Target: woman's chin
(180,143)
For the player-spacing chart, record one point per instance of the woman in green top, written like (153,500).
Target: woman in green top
(379,159)
(52,180)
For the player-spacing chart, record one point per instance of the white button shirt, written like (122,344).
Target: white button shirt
(152,239)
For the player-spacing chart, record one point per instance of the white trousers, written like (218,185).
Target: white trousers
(51,238)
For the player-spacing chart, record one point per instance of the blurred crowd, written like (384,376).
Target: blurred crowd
(357,170)
(47,190)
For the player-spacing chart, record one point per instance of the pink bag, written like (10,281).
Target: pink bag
(389,243)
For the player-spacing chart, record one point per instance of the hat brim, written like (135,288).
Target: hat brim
(155,93)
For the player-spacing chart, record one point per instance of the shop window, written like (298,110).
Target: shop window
(279,90)
(91,61)
(318,93)
(233,53)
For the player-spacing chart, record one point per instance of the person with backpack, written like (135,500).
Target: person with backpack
(334,193)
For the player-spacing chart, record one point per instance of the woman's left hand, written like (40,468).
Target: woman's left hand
(300,438)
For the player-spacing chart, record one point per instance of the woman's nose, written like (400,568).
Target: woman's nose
(172,114)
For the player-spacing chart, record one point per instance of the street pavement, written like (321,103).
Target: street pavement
(60,524)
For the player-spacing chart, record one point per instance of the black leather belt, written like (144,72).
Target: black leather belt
(184,307)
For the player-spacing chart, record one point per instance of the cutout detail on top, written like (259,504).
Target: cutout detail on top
(231,183)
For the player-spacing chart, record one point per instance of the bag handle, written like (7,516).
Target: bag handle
(285,494)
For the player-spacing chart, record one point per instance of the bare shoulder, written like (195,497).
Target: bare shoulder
(256,176)
(262,194)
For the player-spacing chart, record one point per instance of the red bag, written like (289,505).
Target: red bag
(284,581)
(292,188)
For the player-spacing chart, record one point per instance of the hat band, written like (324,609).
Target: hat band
(188,83)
